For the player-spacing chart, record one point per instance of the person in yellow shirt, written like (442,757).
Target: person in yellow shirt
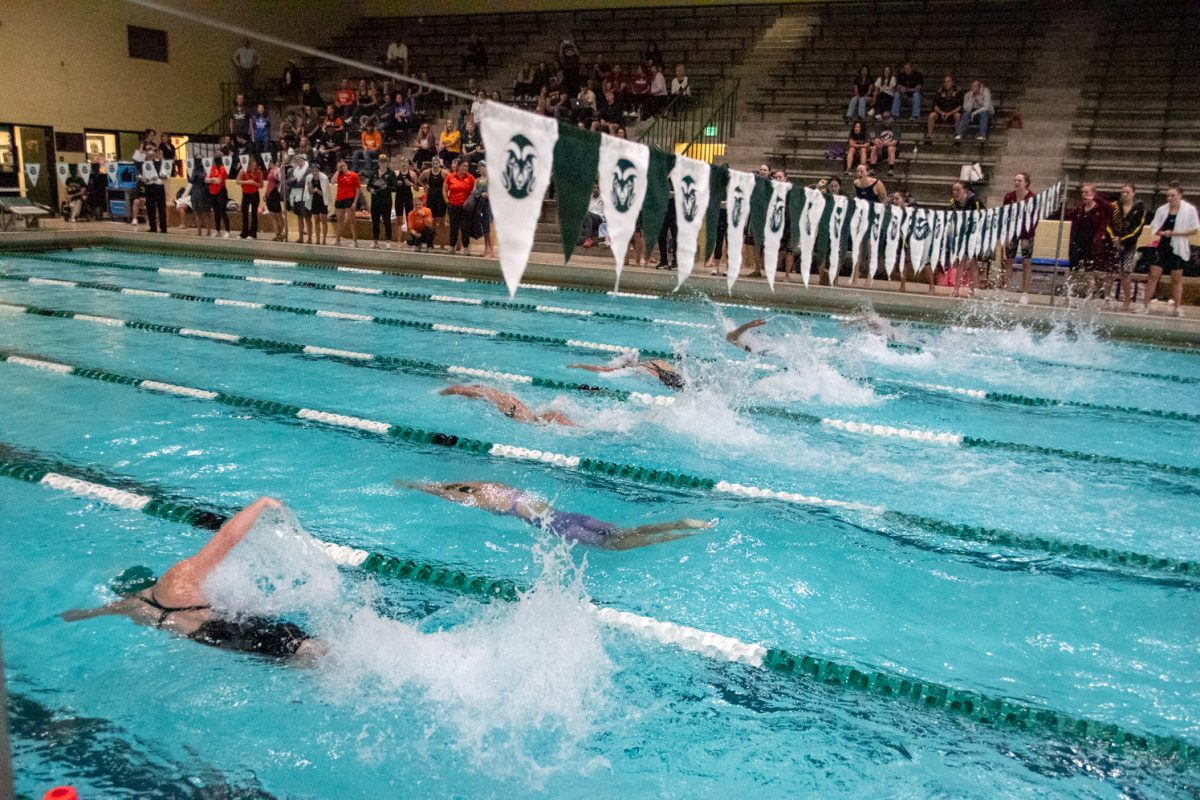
(450,143)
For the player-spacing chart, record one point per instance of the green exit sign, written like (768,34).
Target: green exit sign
(711,130)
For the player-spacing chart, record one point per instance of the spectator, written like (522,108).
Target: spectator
(348,192)
(481,213)
(408,182)
(476,114)
(318,191)
(291,82)
(860,94)
(425,146)
(166,150)
(296,176)
(329,146)
(246,60)
(382,186)
(274,199)
(477,56)
(201,198)
(523,84)
(420,225)
(76,194)
(400,115)
(568,61)
(239,120)
(449,143)
(947,107)
(1128,220)
(368,104)
(290,130)
(1022,244)
(1174,222)
(397,56)
(657,100)
(966,200)
(218,195)
(541,77)
(886,139)
(857,146)
(587,103)
(472,144)
(332,118)
(432,181)
(639,91)
(885,93)
(345,99)
(977,110)
(156,190)
(608,105)
(251,181)
(681,86)
(260,129)
(1089,247)
(181,204)
(97,193)
(653,55)
(457,188)
(909,84)
(594,219)
(372,145)
(310,98)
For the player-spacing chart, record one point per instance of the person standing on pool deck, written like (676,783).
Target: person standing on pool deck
(1174,222)
(433,180)
(497,498)
(382,185)
(508,404)
(176,602)
(219,197)
(349,187)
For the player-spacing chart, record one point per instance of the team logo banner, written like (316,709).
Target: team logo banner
(773,231)
(814,209)
(149,172)
(207,163)
(689,178)
(227,162)
(520,153)
(875,235)
(891,248)
(244,161)
(84,170)
(937,238)
(919,235)
(622,174)
(190,166)
(837,224)
(168,165)
(33,172)
(266,157)
(859,224)
(64,171)
(737,213)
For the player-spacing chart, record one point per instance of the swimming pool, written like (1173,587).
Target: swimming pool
(930,489)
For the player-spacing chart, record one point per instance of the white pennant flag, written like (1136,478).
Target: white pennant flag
(148,170)
(918,239)
(837,224)
(1027,215)
(937,238)
(975,240)
(622,175)
(737,212)
(190,166)
(112,177)
(207,163)
(892,245)
(859,224)
(995,230)
(227,162)
(63,170)
(168,164)
(1005,211)
(33,171)
(84,170)
(266,157)
(689,178)
(244,161)
(520,148)
(773,234)
(814,208)
(874,235)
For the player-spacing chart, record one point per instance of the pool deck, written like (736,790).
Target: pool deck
(596,273)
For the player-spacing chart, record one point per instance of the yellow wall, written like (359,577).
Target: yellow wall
(66,63)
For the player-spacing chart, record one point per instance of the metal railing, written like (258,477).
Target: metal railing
(696,127)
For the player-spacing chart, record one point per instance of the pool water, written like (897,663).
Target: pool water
(429,692)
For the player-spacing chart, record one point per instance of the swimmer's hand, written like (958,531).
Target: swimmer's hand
(755,323)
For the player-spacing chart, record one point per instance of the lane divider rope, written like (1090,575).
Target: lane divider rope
(984,709)
(629,472)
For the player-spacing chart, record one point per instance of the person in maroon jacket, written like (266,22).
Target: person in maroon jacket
(1091,246)
(1023,243)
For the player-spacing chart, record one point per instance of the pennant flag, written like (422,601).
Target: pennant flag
(837,230)
(148,170)
(207,163)
(918,239)
(937,238)
(718,183)
(859,225)
(112,179)
(190,166)
(874,235)
(690,181)
(84,170)
(168,165)
(623,166)
(33,171)
(994,230)
(796,201)
(1027,215)
(773,234)
(266,157)
(895,218)
(1005,213)
(227,162)
(577,155)
(243,161)
(520,148)
(63,170)
(759,201)
(737,214)
(658,183)
(975,237)
(814,208)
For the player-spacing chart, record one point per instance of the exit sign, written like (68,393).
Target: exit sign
(711,130)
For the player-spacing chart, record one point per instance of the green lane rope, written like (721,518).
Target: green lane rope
(630,472)
(979,707)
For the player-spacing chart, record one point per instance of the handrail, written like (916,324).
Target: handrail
(686,123)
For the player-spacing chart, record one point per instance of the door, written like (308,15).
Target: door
(10,181)
(35,147)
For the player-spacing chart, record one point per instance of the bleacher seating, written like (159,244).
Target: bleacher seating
(1139,118)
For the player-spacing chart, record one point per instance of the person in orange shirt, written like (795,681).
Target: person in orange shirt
(349,187)
(457,189)
(420,225)
(251,181)
(449,143)
(217,176)
(372,145)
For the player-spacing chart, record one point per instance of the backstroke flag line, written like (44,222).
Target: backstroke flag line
(622,174)
(773,233)
(520,149)
(689,179)
(737,212)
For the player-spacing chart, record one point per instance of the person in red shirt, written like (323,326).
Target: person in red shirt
(420,224)
(1024,243)
(251,181)
(349,187)
(219,195)
(1090,247)
(457,189)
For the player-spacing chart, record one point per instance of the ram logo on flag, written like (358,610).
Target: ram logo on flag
(738,210)
(207,162)
(918,239)
(737,207)
(518,175)
(84,170)
(622,166)
(624,184)
(774,231)
(689,206)
(33,171)
(690,179)
(837,223)
(63,170)
(227,161)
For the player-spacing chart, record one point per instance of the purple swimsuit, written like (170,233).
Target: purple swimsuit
(572,527)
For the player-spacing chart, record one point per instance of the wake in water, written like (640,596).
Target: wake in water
(513,688)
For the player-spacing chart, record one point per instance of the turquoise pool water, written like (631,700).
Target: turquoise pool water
(432,693)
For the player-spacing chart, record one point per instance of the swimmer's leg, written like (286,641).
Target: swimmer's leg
(628,538)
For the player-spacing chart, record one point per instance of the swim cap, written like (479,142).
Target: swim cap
(133,580)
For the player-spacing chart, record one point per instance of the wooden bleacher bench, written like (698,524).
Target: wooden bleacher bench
(20,209)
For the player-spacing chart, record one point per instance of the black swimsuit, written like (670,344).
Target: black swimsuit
(166,611)
(257,635)
(670,378)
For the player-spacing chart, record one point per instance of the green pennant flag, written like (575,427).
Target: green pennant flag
(760,199)
(576,156)
(821,249)
(795,208)
(658,184)
(718,184)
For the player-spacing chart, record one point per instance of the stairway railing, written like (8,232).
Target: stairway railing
(696,127)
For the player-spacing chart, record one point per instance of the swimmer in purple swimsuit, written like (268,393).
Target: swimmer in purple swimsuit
(509,405)
(498,498)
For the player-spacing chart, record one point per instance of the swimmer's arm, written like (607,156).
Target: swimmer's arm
(593,367)
(112,609)
(735,335)
(232,532)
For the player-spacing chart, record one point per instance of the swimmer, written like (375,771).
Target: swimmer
(176,602)
(657,367)
(497,498)
(873,323)
(509,405)
(734,337)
